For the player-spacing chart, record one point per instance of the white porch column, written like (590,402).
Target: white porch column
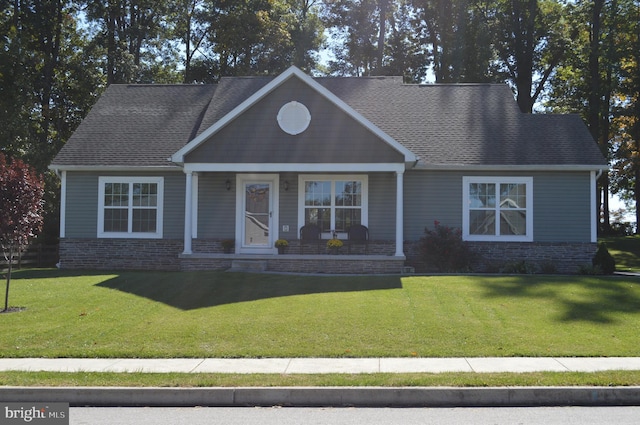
(188,212)
(63,204)
(400,214)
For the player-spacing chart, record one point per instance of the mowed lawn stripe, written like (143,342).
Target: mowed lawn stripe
(217,314)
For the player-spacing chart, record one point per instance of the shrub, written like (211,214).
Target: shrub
(548,267)
(519,267)
(604,260)
(443,248)
(589,270)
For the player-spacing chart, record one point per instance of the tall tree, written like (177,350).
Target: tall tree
(530,38)
(357,30)
(625,176)
(588,80)
(458,36)
(134,36)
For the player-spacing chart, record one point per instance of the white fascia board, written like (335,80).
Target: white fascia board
(293,168)
(463,167)
(178,157)
(114,168)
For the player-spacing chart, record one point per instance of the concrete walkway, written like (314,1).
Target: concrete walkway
(324,365)
(326,396)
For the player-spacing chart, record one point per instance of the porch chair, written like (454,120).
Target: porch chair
(310,233)
(358,234)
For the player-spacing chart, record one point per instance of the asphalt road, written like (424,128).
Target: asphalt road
(368,416)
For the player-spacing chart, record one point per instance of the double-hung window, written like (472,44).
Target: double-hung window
(333,202)
(498,209)
(130,207)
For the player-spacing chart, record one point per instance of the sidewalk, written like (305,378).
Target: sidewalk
(325,365)
(326,396)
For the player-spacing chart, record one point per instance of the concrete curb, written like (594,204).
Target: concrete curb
(328,396)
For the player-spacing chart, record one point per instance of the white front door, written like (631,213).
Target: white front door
(257,218)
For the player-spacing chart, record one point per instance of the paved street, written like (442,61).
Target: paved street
(343,416)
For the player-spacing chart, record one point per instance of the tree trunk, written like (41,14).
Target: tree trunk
(384,5)
(6,294)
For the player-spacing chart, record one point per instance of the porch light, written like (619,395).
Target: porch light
(286,185)
(228,184)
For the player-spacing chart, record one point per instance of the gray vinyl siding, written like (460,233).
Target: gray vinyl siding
(82,204)
(289,207)
(431,196)
(561,210)
(216,206)
(173,223)
(562,207)
(382,206)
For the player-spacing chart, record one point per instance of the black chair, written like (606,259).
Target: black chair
(358,234)
(311,234)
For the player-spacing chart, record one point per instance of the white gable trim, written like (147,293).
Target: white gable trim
(293,167)
(178,157)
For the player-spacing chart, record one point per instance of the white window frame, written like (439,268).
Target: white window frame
(159,181)
(363,178)
(497,237)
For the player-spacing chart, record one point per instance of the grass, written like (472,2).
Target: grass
(60,379)
(215,314)
(626,251)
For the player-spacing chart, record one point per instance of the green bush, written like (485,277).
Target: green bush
(589,270)
(443,249)
(519,267)
(604,260)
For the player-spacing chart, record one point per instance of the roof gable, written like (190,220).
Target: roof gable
(331,137)
(291,73)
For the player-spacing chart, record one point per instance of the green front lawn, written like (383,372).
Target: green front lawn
(626,251)
(216,314)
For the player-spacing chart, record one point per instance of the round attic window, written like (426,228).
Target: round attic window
(294,118)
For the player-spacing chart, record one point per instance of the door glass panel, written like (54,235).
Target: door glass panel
(257,209)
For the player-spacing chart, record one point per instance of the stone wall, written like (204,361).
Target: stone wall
(558,257)
(120,254)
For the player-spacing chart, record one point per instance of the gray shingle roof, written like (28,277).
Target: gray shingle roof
(444,125)
(137,125)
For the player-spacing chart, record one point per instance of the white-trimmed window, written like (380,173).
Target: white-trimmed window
(130,207)
(497,209)
(333,202)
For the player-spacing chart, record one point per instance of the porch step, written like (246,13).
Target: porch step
(248,266)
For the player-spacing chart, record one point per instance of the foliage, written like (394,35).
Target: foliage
(604,259)
(228,243)
(589,270)
(334,243)
(21,210)
(519,267)
(443,248)
(626,252)
(281,243)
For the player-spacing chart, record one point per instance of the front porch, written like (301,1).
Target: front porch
(165,254)
(294,263)
(376,257)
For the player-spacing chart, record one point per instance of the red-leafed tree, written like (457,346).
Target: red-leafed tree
(21,210)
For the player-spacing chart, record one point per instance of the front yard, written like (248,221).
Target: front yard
(216,314)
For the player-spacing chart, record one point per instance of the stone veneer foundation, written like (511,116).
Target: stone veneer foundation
(162,254)
(562,257)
